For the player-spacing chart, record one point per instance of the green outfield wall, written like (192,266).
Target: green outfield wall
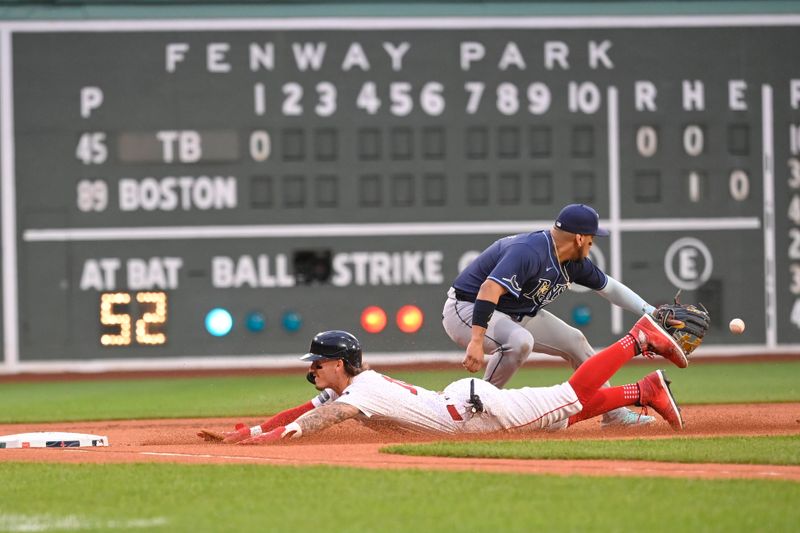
(199,184)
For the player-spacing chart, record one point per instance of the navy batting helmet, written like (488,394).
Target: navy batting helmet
(335,344)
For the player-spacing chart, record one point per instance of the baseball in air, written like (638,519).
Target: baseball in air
(736,326)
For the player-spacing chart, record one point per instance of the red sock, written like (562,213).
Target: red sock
(599,368)
(286,417)
(606,399)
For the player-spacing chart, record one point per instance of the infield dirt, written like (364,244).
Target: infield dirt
(353,445)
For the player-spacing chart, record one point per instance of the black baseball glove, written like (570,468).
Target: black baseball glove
(686,323)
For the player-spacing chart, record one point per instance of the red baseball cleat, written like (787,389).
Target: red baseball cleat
(654,392)
(652,339)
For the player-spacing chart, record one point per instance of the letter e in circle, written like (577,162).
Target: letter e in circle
(688,263)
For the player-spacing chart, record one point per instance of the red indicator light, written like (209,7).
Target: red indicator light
(373,319)
(409,318)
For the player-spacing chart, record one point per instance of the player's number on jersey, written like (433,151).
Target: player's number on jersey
(409,388)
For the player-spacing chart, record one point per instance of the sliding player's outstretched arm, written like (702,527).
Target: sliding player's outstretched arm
(242,432)
(310,423)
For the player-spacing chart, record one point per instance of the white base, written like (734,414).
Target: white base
(52,439)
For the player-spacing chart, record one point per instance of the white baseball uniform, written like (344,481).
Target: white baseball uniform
(382,399)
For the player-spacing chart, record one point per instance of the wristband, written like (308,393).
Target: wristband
(482,312)
(292,431)
(256,431)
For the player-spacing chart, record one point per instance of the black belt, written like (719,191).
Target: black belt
(465,296)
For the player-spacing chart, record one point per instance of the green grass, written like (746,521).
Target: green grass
(779,450)
(151,398)
(260,395)
(166,497)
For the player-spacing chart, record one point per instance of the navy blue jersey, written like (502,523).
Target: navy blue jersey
(527,267)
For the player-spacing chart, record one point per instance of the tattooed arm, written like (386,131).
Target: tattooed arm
(326,416)
(310,423)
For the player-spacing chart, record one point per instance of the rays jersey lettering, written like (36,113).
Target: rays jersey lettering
(545,292)
(526,266)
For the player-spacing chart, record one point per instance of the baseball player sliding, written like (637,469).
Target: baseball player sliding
(348,389)
(495,305)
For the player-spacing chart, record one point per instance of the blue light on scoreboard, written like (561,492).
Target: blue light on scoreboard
(219,322)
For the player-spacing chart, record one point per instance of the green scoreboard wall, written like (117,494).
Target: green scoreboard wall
(297,171)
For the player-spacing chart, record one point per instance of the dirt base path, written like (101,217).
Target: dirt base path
(353,445)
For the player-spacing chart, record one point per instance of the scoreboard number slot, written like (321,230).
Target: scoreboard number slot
(143,325)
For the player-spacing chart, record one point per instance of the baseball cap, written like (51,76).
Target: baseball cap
(580,219)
